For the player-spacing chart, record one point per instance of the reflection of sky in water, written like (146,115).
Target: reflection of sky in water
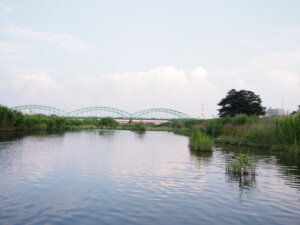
(121,177)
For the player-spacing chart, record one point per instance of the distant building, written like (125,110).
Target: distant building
(275,112)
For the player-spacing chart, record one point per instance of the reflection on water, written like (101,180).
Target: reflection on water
(123,177)
(108,134)
(245,182)
(139,134)
(201,159)
(289,169)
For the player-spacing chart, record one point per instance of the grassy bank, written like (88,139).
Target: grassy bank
(276,133)
(11,120)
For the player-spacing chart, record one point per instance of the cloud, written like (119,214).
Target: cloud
(11,47)
(164,86)
(12,58)
(285,78)
(62,40)
(5,9)
(275,76)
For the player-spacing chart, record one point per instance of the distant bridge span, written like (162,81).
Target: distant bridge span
(101,111)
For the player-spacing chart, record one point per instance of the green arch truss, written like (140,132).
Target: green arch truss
(160,113)
(100,111)
(41,109)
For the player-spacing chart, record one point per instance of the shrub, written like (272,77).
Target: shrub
(138,127)
(240,119)
(108,122)
(214,128)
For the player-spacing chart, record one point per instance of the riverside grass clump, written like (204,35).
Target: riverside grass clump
(242,165)
(288,129)
(200,142)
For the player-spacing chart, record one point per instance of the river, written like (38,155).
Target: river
(151,178)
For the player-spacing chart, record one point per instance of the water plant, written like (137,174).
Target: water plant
(242,165)
(200,142)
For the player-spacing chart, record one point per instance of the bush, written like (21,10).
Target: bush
(10,118)
(90,121)
(200,142)
(108,122)
(240,119)
(214,128)
(138,127)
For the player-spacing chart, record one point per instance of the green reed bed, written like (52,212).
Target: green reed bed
(200,142)
(242,165)
(288,129)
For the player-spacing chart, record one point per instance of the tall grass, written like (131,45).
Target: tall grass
(288,129)
(200,142)
(243,165)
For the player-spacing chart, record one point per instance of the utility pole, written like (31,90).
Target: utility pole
(202,111)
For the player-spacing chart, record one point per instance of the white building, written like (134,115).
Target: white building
(275,112)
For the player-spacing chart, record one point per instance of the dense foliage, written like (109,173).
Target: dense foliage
(241,102)
(10,118)
(108,122)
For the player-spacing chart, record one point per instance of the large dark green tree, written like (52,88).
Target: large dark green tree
(241,102)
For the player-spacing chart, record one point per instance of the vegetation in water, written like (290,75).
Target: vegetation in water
(242,165)
(200,142)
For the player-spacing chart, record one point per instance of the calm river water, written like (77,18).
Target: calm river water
(123,177)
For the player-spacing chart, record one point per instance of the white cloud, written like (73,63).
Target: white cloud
(12,58)
(5,9)
(9,47)
(164,86)
(285,78)
(62,40)
(199,75)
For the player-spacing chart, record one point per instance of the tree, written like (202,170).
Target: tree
(108,122)
(241,102)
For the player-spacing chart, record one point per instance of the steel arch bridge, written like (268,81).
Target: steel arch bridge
(101,111)
(41,109)
(160,113)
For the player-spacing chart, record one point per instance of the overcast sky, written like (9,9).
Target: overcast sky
(135,55)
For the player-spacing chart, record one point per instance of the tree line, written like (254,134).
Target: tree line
(12,119)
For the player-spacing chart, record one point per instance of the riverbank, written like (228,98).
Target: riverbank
(280,133)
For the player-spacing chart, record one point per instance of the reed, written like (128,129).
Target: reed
(288,129)
(200,142)
(243,165)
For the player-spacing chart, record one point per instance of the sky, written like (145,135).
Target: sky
(138,54)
